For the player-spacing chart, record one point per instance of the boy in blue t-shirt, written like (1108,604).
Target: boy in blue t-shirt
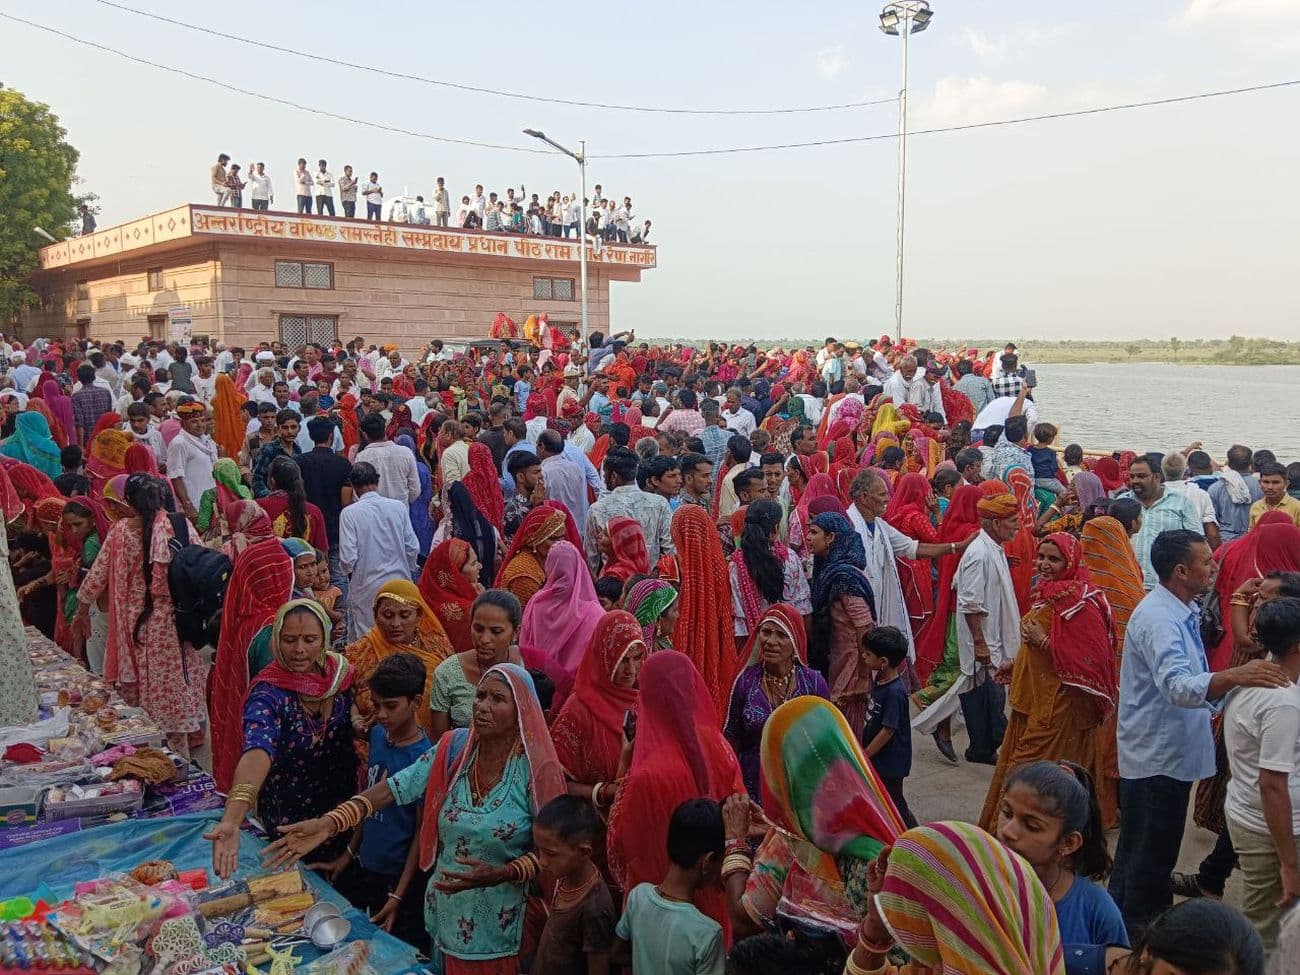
(661,932)
(887,737)
(1047,466)
(378,872)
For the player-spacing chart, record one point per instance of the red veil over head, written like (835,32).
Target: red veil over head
(679,754)
(1082,635)
(1273,545)
(704,630)
(588,730)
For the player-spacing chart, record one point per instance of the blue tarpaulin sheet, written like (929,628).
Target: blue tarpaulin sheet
(49,870)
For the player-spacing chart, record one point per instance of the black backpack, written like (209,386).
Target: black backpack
(197,577)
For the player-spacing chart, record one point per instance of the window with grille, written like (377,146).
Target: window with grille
(316,275)
(553,289)
(155,279)
(83,290)
(298,330)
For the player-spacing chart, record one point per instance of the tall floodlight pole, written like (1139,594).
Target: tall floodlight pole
(580,157)
(901,18)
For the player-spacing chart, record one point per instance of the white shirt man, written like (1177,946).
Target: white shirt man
(376,545)
(260,186)
(884,544)
(373,193)
(324,183)
(189,460)
(984,589)
(398,477)
(996,413)
(303,183)
(741,421)
(205,388)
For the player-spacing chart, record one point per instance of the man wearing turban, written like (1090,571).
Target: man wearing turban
(988,633)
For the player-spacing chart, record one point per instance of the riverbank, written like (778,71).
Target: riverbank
(1234,351)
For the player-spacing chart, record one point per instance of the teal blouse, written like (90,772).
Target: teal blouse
(486,923)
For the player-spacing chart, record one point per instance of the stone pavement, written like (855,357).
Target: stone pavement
(936,790)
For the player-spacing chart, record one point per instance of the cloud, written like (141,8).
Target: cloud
(831,61)
(983,46)
(1019,41)
(960,100)
(1207,10)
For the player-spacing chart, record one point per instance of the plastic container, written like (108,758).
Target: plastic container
(20,806)
(122,802)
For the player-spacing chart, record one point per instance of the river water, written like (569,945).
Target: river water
(1158,406)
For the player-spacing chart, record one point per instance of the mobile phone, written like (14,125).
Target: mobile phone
(629,724)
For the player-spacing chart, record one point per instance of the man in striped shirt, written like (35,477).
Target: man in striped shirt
(1162,510)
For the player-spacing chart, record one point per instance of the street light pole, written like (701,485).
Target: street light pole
(580,157)
(903,17)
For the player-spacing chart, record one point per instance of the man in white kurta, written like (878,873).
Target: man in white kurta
(376,545)
(883,544)
(988,635)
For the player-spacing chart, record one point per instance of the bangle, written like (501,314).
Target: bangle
(396,897)
(736,863)
(595,793)
(1239,600)
(853,968)
(351,855)
(875,948)
(737,845)
(243,792)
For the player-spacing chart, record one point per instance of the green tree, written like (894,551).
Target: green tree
(37,172)
(1132,349)
(1174,346)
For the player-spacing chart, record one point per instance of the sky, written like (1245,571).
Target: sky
(1157,222)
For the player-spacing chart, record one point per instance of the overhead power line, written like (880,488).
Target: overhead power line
(718,151)
(1099,110)
(478,89)
(270,98)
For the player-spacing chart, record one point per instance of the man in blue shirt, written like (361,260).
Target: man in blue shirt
(1234,492)
(1166,695)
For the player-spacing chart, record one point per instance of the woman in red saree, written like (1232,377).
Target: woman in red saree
(588,730)
(484,485)
(350,422)
(1273,545)
(679,753)
(704,630)
(909,511)
(1064,683)
(449,584)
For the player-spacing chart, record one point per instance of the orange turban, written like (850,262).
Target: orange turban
(997,506)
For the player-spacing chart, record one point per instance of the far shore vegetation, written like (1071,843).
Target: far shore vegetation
(1232,351)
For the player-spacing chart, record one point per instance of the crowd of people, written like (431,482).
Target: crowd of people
(556,216)
(629,646)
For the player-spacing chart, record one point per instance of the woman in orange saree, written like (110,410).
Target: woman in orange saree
(1064,683)
(1109,557)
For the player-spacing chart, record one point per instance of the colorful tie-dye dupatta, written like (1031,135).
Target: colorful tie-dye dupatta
(818,784)
(958,901)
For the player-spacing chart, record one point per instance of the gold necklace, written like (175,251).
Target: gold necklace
(575,895)
(778,692)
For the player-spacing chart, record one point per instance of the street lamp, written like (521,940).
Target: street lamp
(580,157)
(899,19)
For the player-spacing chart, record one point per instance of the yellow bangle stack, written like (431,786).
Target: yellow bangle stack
(736,863)
(349,814)
(243,792)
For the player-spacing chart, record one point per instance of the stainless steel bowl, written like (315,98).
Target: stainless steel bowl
(318,912)
(329,931)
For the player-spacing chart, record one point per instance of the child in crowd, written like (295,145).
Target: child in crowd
(1050,816)
(139,423)
(378,872)
(887,737)
(1047,468)
(327,594)
(610,592)
(1073,461)
(72,481)
(945,483)
(661,932)
(579,931)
